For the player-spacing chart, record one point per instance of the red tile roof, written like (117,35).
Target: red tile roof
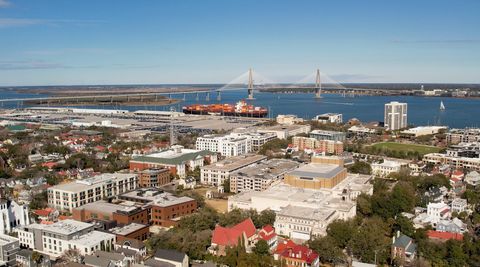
(44,213)
(458,173)
(230,236)
(49,164)
(444,235)
(267,233)
(288,249)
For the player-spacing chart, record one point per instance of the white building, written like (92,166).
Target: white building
(227,145)
(260,176)
(288,119)
(54,239)
(285,131)
(459,205)
(361,129)
(473,178)
(75,194)
(386,168)
(329,118)
(438,211)
(302,222)
(395,115)
(303,212)
(424,130)
(216,174)
(9,246)
(13,215)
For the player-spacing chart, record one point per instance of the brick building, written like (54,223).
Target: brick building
(164,208)
(154,177)
(131,231)
(104,211)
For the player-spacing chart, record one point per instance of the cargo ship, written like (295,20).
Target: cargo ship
(240,109)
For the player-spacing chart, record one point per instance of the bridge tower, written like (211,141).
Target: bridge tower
(172,127)
(318,85)
(250,84)
(219,96)
(207,97)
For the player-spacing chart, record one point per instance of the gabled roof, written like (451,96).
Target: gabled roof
(229,236)
(267,233)
(169,254)
(402,241)
(288,249)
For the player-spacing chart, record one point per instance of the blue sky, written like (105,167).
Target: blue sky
(214,41)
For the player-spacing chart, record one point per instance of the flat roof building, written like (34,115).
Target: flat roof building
(260,176)
(285,131)
(54,239)
(395,116)
(164,208)
(217,173)
(177,159)
(328,135)
(329,118)
(80,192)
(302,212)
(9,247)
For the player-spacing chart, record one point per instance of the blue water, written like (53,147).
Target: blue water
(459,112)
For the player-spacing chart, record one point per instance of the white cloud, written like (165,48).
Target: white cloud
(4,3)
(15,22)
(9,22)
(30,65)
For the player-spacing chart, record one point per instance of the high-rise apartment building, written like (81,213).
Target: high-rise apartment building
(395,115)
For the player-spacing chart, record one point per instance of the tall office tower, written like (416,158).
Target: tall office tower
(395,115)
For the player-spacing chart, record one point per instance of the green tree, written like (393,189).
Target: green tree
(327,250)
(370,241)
(341,232)
(360,167)
(261,248)
(455,254)
(404,225)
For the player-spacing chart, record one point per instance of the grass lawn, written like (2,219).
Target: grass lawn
(220,205)
(421,149)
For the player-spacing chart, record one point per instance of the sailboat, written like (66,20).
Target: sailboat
(442,106)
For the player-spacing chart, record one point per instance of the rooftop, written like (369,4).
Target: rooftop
(103,206)
(84,184)
(283,127)
(175,156)
(91,238)
(270,169)
(169,254)
(6,239)
(307,213)
(127,229)
(318,170)
(155,196)
(65,227)
(235,163)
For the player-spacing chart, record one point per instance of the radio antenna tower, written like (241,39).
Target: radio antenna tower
(318,85)
(172,127)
